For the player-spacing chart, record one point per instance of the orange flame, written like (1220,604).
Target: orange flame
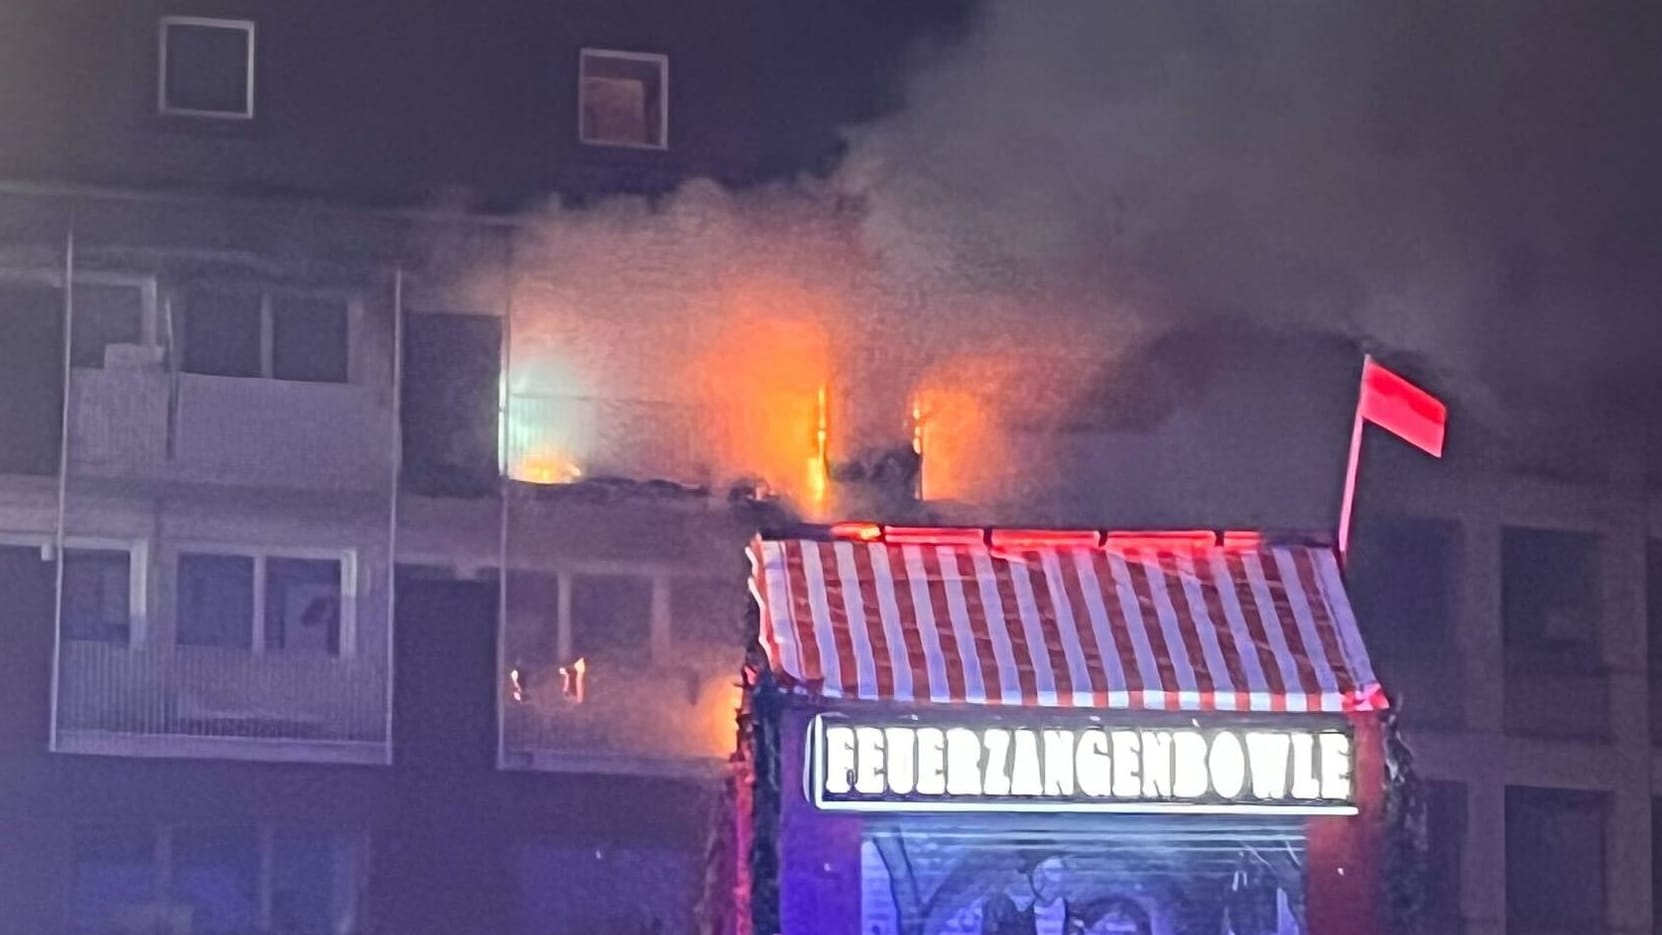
(572,680)
(764,378)
(544,465)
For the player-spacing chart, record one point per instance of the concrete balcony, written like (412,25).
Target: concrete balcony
(228,430)
(221,702)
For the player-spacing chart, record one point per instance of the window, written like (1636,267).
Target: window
(113,883)
(207,67)
(533,619)
(216,876)
(284,336)
(313,883)
(707,610)
(1446,843)
(1403,585)
(276,603)
(1550,590)
(452,410)
(572,888)
(216,600)
(610,612)
(105,314)
(624,99)
(222,334)
(214,880)
(1555,858)
(97,595)
(308,339)
(302,604)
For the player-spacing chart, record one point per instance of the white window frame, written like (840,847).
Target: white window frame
(349,595)
(655,58)
(268,325)
(138,573)
(657,648)
(148,291)
(162,107)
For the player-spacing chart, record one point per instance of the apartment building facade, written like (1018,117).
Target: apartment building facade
(285,652)
(289,649)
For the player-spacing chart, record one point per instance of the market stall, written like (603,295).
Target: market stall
(991,732)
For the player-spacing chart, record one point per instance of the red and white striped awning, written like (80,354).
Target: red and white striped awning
(1256,628)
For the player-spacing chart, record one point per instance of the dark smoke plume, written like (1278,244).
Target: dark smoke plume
(1469,188)
(1100,221)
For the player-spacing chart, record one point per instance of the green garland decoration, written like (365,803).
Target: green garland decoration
(759,735)
(716,897)
(1406,876)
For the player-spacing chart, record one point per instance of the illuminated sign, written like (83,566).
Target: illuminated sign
(910,766)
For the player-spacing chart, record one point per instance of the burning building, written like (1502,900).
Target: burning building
(387,407)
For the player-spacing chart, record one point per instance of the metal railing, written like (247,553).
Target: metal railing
(558,439)
(167,699)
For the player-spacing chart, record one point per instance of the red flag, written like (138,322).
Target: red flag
(1403,409)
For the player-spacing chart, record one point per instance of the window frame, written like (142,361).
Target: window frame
(138,578)
(162,107)
(661,60)
(149,292)
(1587,651)
(163,867)
(349,585)
(178,306)
(656,648)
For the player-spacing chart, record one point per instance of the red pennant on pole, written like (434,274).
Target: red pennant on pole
(1403,409)
(1399,407)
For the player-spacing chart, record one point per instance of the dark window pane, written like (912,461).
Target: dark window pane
(623,100)
(1555,858)
(114,877)
(302,604)
(207,68)
(1446,842)
(216,875)
(97,595)
(222,334)
(314,883)
(1403,584)
(452,365)
(1550,589)
(533,615)
(104,315)
(610,612)
(31,378)
(309,339)
(707,610)
(571,888)
(216,600)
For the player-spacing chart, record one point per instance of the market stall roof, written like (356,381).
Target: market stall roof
(1080,619)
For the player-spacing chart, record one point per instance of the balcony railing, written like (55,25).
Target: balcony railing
(633,715)
(228,430)
(556,439)
(220,702)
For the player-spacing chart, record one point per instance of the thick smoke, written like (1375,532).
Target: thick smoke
(1468,185)
(1089,217)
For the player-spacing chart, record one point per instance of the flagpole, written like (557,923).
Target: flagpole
(1347,506)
